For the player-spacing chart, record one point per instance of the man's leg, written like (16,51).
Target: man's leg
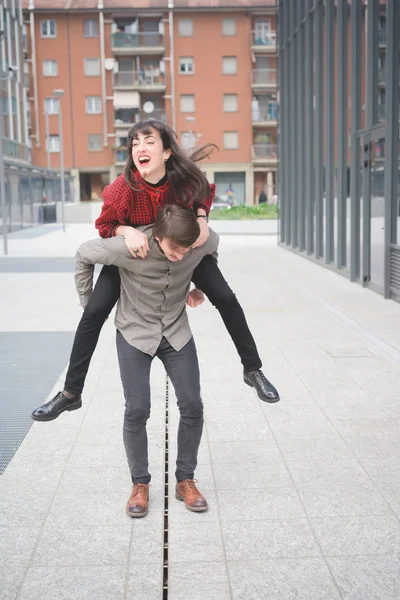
(183,370)
(134,368)
(103,299)
(208,278)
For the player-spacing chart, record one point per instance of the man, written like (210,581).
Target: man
(151,320)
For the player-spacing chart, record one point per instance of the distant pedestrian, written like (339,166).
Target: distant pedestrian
(262,198)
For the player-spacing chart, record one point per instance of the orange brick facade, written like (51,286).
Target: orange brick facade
(227,94)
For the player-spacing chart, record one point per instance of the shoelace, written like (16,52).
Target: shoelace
(54,400)
(190,484)
(138,488)
(260,376)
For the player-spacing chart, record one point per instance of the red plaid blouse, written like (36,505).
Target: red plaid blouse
(123,206)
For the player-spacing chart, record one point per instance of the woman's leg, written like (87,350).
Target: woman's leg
(208,278)
(103,299)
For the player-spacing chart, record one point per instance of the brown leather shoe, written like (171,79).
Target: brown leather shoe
(138,503)
(187,491)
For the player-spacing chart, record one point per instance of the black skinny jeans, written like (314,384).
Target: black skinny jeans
(207,277)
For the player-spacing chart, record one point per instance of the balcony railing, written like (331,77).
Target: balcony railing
(13,149)
(143,78)
(266,39)
(158,113)
(127,117)
(120,39)
(264,76)
(265,152)
(265,114)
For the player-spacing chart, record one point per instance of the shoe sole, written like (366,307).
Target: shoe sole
(136,515)
(52,417)
(192,508)
(269,400)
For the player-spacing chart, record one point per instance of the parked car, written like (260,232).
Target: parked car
(221,202)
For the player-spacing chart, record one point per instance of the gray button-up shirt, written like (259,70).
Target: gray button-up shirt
(153,290)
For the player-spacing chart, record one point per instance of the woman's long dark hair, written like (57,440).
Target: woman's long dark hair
(185,177)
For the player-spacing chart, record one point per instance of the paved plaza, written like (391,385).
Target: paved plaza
(304,495)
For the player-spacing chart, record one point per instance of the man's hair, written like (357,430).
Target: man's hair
(178,224)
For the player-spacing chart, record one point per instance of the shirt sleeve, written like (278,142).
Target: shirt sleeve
(105,252)
(206,205)
(113,209)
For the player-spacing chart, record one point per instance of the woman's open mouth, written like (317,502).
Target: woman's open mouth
(144,160)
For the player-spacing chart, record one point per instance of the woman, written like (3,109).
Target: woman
(157,172)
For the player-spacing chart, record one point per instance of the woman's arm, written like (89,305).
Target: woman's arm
(134,239)
(116,197)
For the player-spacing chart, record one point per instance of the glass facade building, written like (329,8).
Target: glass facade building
(339,179)
(30,193)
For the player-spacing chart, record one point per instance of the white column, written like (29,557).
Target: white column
(270,186)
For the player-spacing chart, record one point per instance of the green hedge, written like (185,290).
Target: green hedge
(244,212)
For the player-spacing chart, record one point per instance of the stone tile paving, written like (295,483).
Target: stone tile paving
(304,495)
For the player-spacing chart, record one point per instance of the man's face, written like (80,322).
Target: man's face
(172,252)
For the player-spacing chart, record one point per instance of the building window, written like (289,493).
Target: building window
(51,106)
(187,140)
(53,142)
(90,28)
(231,140)
(92,67)
(187,103)
(186,65)
(229,65)
(228,27)
(50,68)
(94,142)
(93,105)
(48,28)
(230,102)
(185,27)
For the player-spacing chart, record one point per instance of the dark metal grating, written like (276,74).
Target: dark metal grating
(30,364)
(395,270)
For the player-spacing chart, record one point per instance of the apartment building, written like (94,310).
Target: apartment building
(13,83)
(207,69)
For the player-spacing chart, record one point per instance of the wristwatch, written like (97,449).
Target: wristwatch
(203,217)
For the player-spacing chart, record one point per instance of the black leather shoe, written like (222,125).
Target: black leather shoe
(54,407)
(264,388)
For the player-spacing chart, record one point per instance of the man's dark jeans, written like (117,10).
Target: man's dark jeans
(206,277)
(183,370)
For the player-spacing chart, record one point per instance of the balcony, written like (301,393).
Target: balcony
(15,150)
(120,156)
(124,119)
(263,154)
(265,116)
(146,80)
(263,42)
(382,37)
(137,43)
(263,79)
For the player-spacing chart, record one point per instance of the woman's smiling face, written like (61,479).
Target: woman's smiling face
(149,156)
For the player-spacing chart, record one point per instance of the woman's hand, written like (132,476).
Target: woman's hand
(195,298)
(136,241)
(204,233)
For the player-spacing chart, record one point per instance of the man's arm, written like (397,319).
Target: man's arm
(112,251)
